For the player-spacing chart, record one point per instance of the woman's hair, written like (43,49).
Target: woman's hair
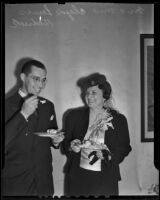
(26,69)
(107,90)
(95,79)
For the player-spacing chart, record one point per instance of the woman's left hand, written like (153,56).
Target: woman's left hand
(99,154)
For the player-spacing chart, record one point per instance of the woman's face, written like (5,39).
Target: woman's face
(94,97)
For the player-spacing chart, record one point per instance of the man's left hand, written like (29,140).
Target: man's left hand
(56,136)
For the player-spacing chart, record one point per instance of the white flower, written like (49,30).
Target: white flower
(107,123)
(109,119)
(104,123)
(51,118)
(43,101)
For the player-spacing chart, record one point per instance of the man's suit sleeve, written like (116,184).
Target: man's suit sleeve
(14,124)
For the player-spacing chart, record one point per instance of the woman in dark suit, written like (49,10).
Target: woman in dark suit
(96,141)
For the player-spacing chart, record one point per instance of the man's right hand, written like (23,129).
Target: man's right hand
(29,106)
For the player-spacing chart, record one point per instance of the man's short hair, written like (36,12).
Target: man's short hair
(26,69)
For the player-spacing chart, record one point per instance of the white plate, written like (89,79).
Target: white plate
(91,147)
(45,134)
(42,134)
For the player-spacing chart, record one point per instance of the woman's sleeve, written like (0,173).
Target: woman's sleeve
(68,130)
(122,146)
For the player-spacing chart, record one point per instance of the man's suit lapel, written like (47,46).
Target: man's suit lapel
(42,115)
(34,120)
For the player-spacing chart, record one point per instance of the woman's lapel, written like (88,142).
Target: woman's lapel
(83,123)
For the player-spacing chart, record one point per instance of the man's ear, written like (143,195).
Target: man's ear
(22,76)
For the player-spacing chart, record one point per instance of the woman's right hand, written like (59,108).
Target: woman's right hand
(75,145)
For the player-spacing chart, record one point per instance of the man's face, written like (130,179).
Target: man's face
(35,81)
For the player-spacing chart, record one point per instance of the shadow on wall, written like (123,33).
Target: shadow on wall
(17,72)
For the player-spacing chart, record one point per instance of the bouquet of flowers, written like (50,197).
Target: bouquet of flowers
(102,124)
(92,142)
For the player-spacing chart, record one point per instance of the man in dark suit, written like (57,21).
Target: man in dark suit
(27,158)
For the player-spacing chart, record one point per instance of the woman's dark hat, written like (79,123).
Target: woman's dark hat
(91,80)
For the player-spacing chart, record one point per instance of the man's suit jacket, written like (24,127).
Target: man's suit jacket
(117,140)
(27,156)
